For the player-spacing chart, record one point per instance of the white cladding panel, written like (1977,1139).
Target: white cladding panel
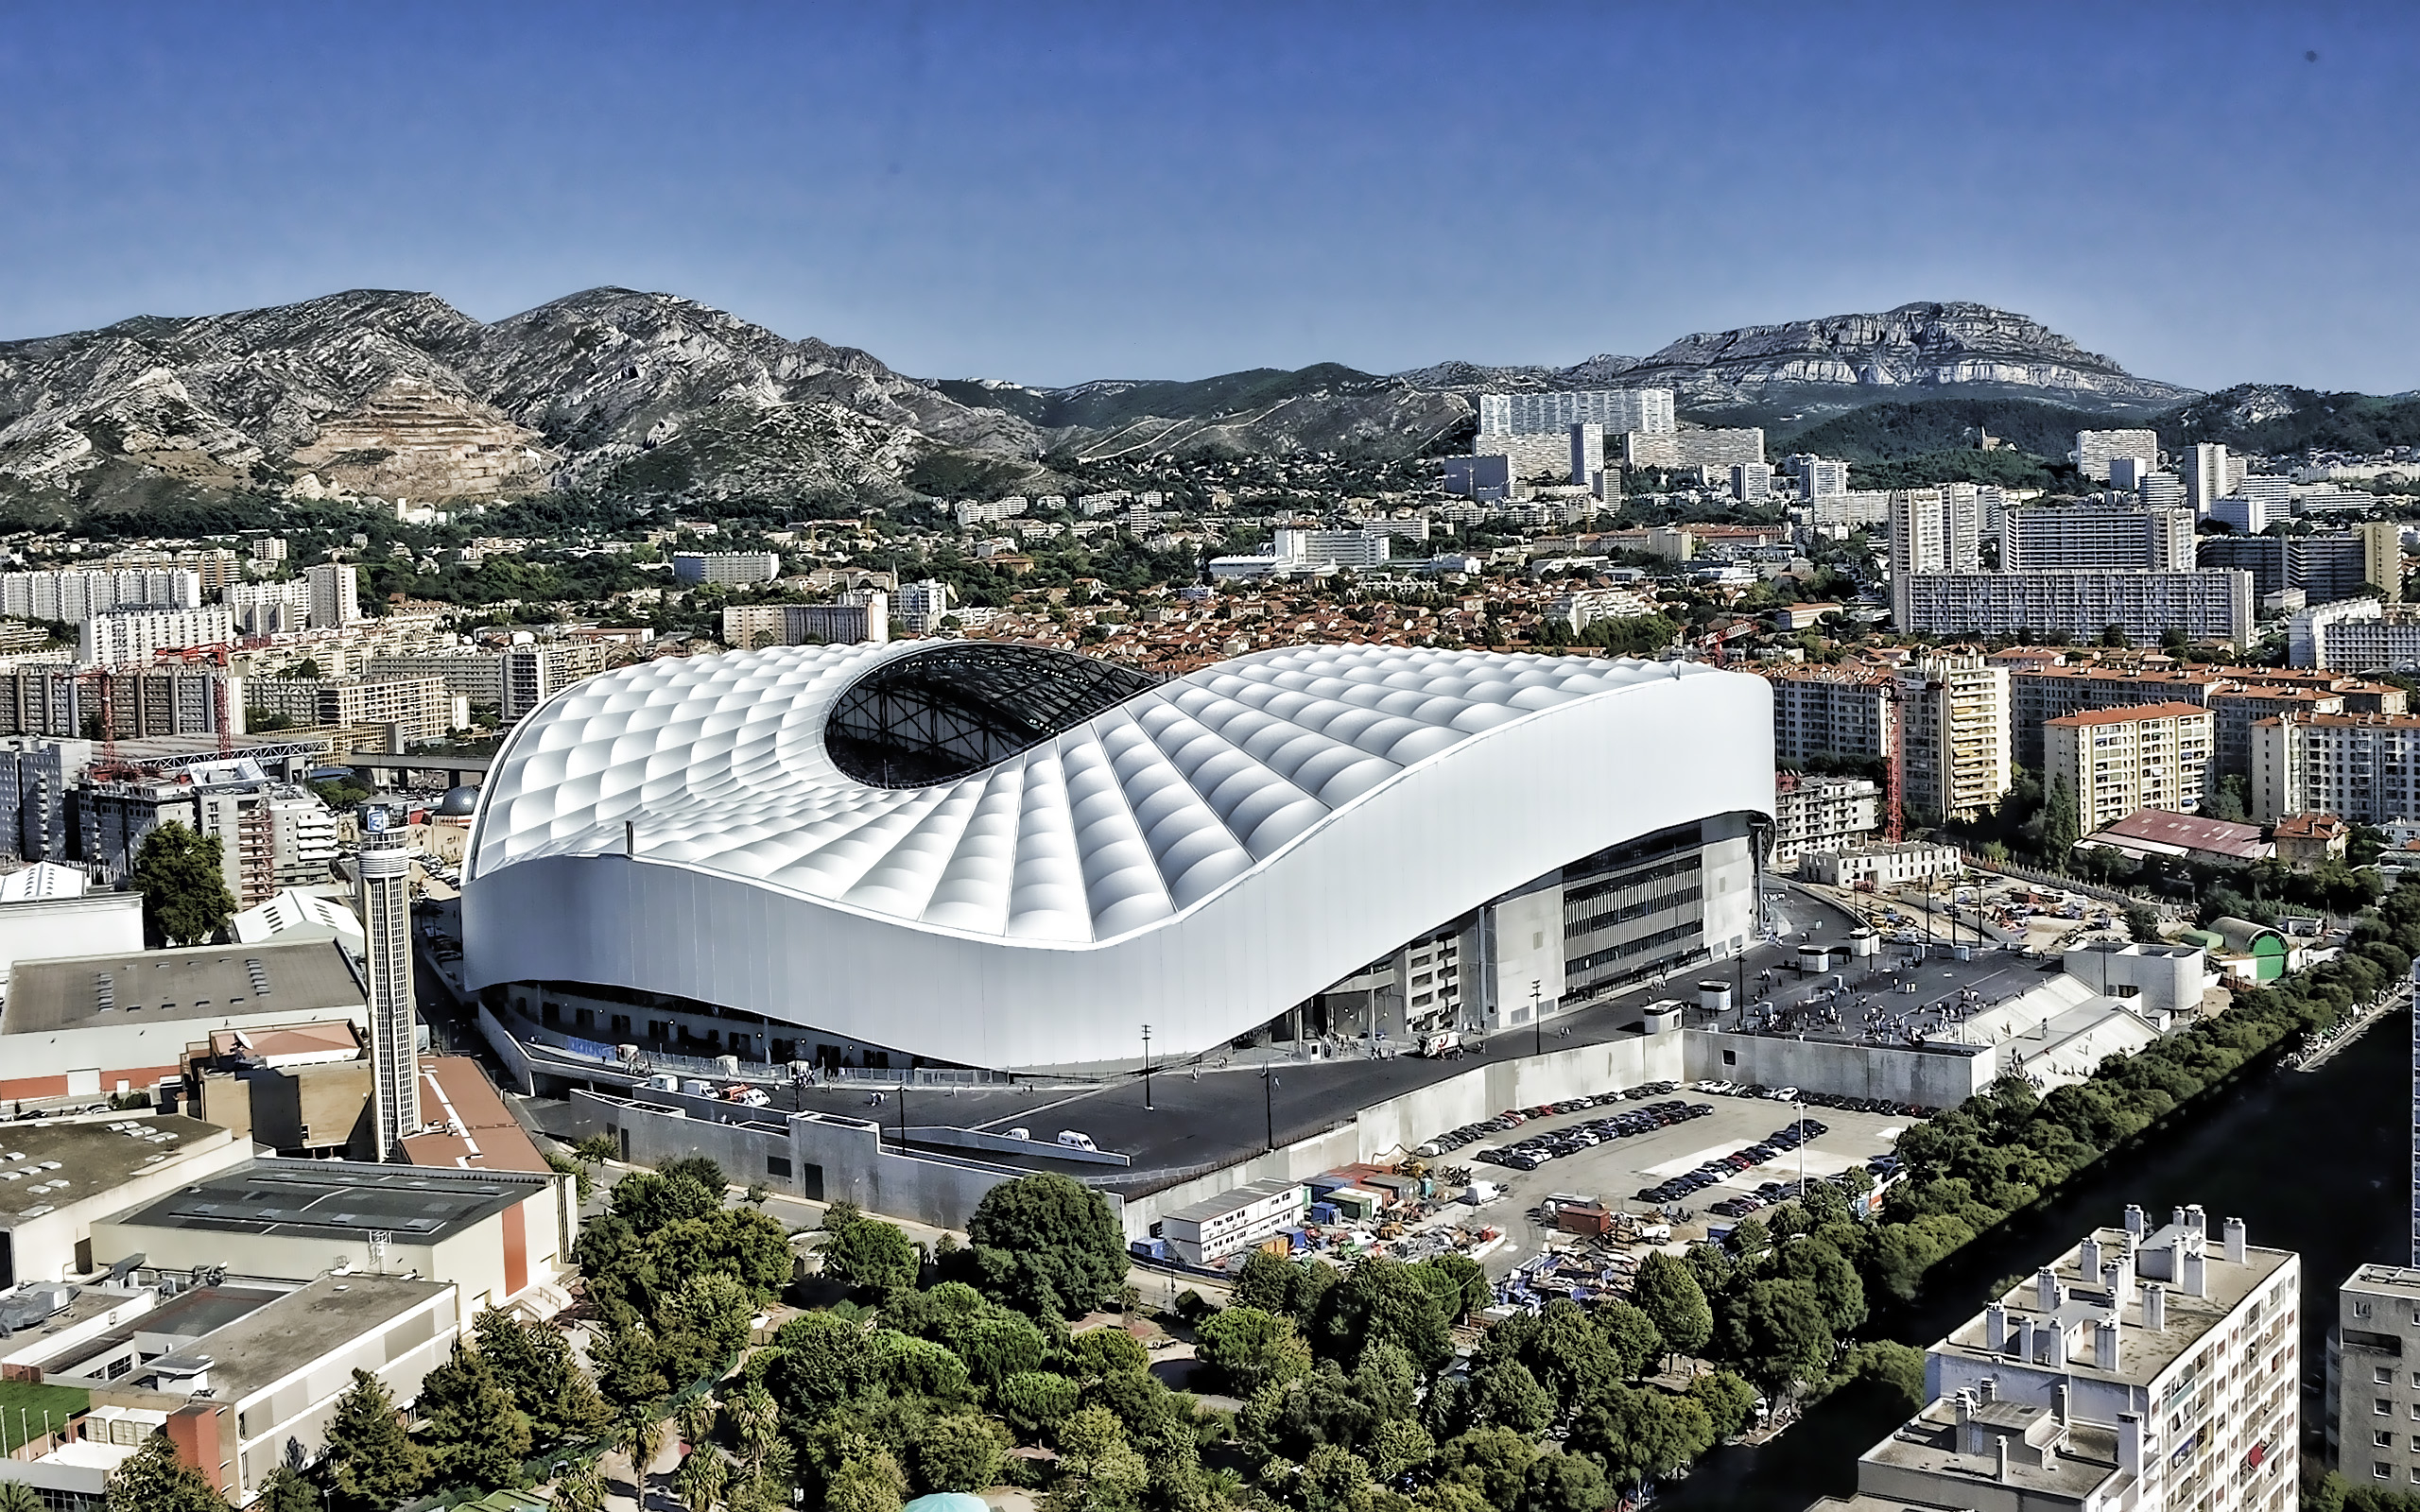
(1200,857)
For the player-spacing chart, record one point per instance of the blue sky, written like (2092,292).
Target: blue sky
(1052,193)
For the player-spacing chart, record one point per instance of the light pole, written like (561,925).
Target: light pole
(1801,1151)
(1146,1067)
(1537,1029)
(1269,1104)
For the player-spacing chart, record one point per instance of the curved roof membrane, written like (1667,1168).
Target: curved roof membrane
(866,807)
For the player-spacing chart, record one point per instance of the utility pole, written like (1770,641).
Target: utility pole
(1146,1067)
(1537,1030)
(1269,1104)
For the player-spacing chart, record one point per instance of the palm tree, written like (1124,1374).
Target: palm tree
(696,1419)
(16,1496)
(701,1480)
(637,1437)
(582,1488)
(755,1422)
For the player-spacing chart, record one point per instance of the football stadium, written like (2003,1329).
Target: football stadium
(1004,856)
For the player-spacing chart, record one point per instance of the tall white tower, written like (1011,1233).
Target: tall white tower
(386,902)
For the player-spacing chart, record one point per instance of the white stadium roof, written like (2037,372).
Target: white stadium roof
(870,800)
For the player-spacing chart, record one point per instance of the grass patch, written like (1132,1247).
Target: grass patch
(23,1404)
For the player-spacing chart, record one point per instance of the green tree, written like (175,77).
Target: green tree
(580,1489)
(1562,1482)
(1034,1403)
(1381,1300)
(1635,1341)
(872,1484)
(1493,1462)
(534,1363)
(638,1434)
(1639,1432)
(865,1253)
(372,1464)
(701,1479)
(285,1490)
(2142,924)
(1728,1402)
(152,1479)
(475,1435)
(1667,1291)
(185,898)
(1778,1332)
(1469,1279)
(1048,1245)
(1507,1396)
(963,1452)
(1250,1348)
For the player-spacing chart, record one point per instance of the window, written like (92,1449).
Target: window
(2383,1375)
(2384,1407)
(2382,1439)
(2381,1469)
(777,1165)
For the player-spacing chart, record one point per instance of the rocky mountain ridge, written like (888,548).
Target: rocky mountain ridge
(396,393)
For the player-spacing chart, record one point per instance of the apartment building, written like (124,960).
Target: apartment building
(1584,607)
(270,609)
(1817,815)
(859,616)
(2150,1369)
(2207,477)
(135,636)
(734,567)
(2360,767)
(233,800)
(1953,735)
(2040,695)
(419,708)
(1818,478)
(2080,605)
(76,594)
(919,607)
(336,596)
(2117,761)
(2235,708)
(2373,1378)
(1932,530)
(2095,450)
(471,671)
(2072,536)
(1706,446)
(533,674)
(1616,410)
(47,699)
(1820,712)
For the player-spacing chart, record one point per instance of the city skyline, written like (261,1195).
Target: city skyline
(1062,193)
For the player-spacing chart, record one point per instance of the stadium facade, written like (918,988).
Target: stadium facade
(1005,856)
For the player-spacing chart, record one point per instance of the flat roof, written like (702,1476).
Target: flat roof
(271,1343)
(198,982)
(479,1131)
(2132,713)
(47,1164)
(339,1200)
(2186,832)
(185,1317)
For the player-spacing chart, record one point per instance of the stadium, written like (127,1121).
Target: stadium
(1004,856)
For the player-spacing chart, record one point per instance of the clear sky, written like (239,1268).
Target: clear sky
(1057,192)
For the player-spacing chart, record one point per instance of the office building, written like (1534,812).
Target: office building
(2355,635)
(533,673)
(1588,456)
(76,594)
(133,637)
(2373,1378)
(1953,735)
(1812,815)
(730,567)
(2073,537)
(2154,1370)
(1206,1232)
(270,609)
(384,899)
(2205,477)
(2096,450)
(2115,761)
(1932,530)
(2358,766)
(2214,605)
(1823,713)
(1186,894)
(1614,411)
(336,596)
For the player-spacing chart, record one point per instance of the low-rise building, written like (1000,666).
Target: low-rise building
(1206,1232)
(2305,841)
(2155,834)
(1876,867)
(58,1177)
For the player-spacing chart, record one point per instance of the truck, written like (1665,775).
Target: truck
(1583,1218)
(1438,1045)
(1483,1192)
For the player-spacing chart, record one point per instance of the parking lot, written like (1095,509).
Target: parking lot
(1616,1169)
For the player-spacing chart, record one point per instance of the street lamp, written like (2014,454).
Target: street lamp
(1146,1067)
(1537,1031)
(1269,1104)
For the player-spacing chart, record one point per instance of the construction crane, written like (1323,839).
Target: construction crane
(214,656)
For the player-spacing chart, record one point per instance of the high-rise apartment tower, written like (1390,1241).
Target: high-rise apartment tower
(385,903)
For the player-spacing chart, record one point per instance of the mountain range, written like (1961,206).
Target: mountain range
(399,394)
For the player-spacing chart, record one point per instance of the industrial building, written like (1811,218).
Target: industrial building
(2145,1368)
(1000,855)
(1206,1232)
(59,1177)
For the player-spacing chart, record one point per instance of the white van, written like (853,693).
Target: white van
(696,1087)
(1076,1141)
(1020,1134)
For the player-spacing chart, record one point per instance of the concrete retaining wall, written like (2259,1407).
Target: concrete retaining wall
(1933,1077)
(821,1156)
(508,1048)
